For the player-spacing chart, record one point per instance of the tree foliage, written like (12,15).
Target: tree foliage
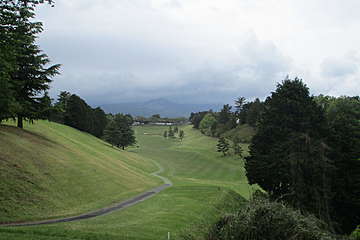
(181,134)
(264,219)
(288,156)
(119,132)
(207,124)
(223,146)
(343,116)
(24,71)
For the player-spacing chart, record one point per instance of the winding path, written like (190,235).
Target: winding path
(124,204)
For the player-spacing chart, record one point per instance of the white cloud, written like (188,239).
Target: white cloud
(153,48)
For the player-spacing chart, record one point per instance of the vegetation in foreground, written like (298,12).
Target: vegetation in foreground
(261,218)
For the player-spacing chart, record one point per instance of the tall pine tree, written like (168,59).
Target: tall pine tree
(288,157)
(27,75)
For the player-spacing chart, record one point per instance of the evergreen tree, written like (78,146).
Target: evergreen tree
(238,151)
(77,114)
(222,146)
(112,133)
(195,118)
(165,134)
(239,103)
(171,132)
(100,122)
(176,129)
(343,115)
(181,134)
(126,133)
(225,114)
(29,79)
(288,152)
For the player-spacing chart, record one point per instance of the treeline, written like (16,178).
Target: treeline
(71,110)
(217,123)
(314,145)
(306,156)
(156,118)
(25,73)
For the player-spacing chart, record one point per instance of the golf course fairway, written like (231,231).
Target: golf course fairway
(205,184)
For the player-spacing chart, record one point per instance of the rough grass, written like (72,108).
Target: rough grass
(243,132)
(205,185)
(51,170)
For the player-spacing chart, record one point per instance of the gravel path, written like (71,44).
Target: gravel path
(127,203)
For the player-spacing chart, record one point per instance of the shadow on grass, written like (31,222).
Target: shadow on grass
(25,133)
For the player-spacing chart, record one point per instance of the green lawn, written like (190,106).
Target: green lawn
(51,170)
(205,185)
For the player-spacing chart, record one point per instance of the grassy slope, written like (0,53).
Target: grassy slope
(202,179)
(51,170)
(243,132)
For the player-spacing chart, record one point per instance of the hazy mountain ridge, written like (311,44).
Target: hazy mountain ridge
(160,106)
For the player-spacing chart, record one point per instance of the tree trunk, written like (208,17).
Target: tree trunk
(20,122)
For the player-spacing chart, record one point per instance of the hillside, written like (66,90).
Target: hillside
(160,106)
(206,184)
(51,170)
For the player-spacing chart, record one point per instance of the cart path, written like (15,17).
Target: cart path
(122,205)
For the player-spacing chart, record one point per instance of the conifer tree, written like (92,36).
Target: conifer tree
(237,149)
(181,134)
(288,155)
(222,146)
(25,76)
(165,134)
(171,132)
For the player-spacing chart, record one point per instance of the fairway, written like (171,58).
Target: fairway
(204,185)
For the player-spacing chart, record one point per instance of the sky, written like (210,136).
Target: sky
(200,51)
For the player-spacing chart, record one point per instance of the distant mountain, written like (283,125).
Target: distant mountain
(160,106)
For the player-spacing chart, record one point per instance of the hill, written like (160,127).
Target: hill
(206,184)
(50,170)
(160,106)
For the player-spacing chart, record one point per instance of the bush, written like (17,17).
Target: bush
(262,219)
(356,234)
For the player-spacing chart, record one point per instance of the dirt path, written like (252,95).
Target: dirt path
(127,203)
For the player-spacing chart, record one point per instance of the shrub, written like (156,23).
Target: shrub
(262,219)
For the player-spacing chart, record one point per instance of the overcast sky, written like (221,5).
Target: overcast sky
(200,50)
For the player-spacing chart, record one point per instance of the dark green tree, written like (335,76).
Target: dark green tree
(238,151)
(223,146)
(171,132)
(181,134)
(126,133)
(225,115)
(343,115)
(176,129)
(254,112)
(195,118)
(100,122)
(30,78)
(288,156)
(112,133)
(239,103)
(77,114)
(165,134)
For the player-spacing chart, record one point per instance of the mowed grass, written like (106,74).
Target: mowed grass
(205,185)
(50,170)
